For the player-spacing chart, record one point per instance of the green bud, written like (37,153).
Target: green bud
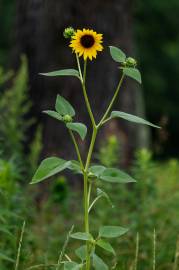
(68,32)
(93,242)
(67,118)
(91,175)
(131,62)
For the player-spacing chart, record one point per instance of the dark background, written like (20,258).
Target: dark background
(147,30)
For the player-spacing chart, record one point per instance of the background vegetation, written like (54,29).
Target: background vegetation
(151,204)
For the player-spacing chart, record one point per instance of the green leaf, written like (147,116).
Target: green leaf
(97,170)
(75,166)
(131,118)
(80,128)
(117,54)
(116,176)
(72,266)
(6,258)
(62,72)
(111,231)
(105,245)
(133,73)
(63,107)
(81,253)
(98,263)
(54,114)
(49,167)
(82,236)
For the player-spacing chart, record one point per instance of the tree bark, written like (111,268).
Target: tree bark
(39,34)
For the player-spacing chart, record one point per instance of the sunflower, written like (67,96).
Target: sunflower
(86,43)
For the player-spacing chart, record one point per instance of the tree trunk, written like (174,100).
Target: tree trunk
(39,34)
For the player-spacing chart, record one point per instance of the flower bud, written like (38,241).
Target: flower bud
(131,62)
(67,118)
(93,242)
(68,32)
(91,175)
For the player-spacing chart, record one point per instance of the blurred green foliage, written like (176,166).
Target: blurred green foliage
(14,106)
(151,203)
(109,153)
(16,167)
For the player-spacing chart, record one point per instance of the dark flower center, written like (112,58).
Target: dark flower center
(87,41)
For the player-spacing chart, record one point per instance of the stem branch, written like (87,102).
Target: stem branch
(77,149)
(111,103)
(93,203)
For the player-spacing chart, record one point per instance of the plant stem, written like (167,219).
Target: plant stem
(89,193)
(84,71)
(93,203)
(88,105)
(175,266)
(86,194)
(19,247)
(88,160)
(154,250)
(136,252)
(112,102)
(77,149)
(83,79)
(86,217)
(91,148)
(79,67)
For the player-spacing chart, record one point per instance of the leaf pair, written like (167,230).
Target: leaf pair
(65,111)
(119,56)
(109,232)
(104,232)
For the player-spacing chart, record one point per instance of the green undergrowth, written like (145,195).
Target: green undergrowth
(147,206)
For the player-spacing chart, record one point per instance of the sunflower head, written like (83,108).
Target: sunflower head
(86,43)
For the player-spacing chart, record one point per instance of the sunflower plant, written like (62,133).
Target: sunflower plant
(85,45)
